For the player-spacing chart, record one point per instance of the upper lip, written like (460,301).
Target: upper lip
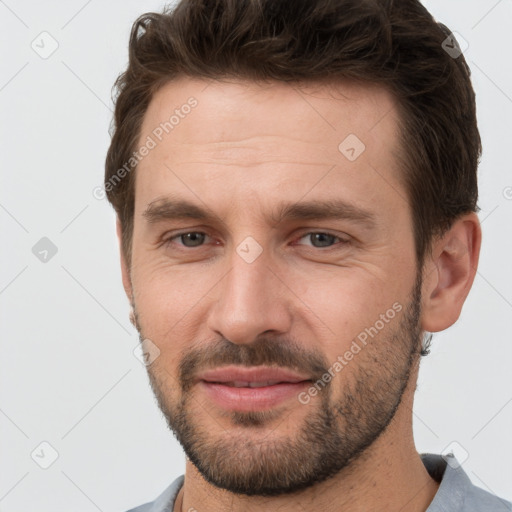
(253,374)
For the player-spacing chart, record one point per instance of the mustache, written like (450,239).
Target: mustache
(284,353)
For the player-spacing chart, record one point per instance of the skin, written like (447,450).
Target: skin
(245,148)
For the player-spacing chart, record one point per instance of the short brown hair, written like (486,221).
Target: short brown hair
(395,43)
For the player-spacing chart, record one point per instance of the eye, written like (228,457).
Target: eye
(322,239)
(188,239)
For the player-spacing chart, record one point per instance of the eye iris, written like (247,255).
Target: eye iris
(194,238)
(323,238)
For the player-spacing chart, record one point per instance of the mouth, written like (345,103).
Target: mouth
(241,384)
(255,376)
(252,389)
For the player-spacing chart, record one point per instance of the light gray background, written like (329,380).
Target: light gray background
(68,373)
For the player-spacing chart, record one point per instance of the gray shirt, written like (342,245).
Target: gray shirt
(455,494)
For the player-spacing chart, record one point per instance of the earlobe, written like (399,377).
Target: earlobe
(450,274)
(125,271)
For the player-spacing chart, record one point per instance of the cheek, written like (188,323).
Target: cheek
(168,296)
(170,289)
(351,301)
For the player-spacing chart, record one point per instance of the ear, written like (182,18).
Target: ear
(449,273)
(125,271)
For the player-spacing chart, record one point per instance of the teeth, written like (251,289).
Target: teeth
(242,384)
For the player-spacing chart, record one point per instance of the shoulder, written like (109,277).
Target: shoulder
(478,499)
(165,501)
(456,491)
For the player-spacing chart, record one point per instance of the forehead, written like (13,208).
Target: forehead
(234,136)
(247,108)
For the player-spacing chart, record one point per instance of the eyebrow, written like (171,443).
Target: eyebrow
(177,209)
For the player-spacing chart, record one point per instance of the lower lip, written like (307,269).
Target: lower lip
(252,399)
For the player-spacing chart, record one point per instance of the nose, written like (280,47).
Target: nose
(252,300)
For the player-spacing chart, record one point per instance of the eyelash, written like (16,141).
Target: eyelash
(341,241)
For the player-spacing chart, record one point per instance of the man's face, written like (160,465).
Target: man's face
(270,277)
